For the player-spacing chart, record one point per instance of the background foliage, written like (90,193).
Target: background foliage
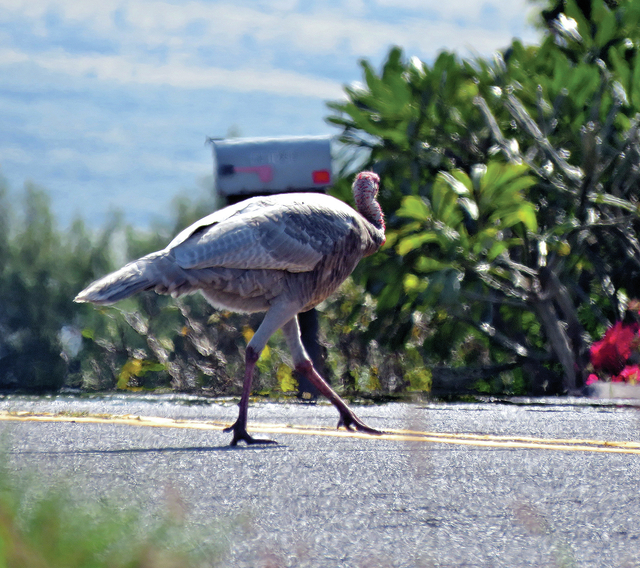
(510,189)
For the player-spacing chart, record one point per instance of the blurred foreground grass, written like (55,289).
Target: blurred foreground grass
(50,526)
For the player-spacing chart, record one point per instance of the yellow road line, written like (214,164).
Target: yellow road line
(481,440)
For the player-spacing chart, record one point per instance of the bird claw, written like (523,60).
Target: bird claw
(352,423)
(240,433)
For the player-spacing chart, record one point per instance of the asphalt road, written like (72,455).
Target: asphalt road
(474,492)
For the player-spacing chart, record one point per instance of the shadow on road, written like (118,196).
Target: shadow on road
(200,449)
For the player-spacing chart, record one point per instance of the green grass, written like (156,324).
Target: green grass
(45,526)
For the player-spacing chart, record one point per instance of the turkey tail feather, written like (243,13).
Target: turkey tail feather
(135,277)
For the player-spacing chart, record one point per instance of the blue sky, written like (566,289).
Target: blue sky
(107,104)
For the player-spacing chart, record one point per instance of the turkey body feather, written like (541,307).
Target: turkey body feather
(245,255)
(289,232)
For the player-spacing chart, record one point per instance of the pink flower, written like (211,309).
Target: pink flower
(612,351)
(592,379)
(629,374)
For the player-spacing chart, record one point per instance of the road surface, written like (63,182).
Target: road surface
(546,483)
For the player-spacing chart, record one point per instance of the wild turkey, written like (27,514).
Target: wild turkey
(281,254)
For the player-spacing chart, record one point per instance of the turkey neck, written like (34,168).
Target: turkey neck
(369,208)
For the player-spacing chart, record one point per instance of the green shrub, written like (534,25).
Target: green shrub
(510,187)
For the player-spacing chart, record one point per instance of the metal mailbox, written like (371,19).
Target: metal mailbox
(250,166)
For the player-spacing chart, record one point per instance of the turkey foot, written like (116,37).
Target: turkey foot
(348,419)
(351,422)
(240,433)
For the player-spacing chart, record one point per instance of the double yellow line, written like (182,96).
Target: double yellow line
(481,440)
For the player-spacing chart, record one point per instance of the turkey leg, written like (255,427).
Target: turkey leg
(303,365)
(272,321)
(239,427)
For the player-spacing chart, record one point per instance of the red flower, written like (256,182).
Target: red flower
(611,353)
(629,374)
(592,379)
